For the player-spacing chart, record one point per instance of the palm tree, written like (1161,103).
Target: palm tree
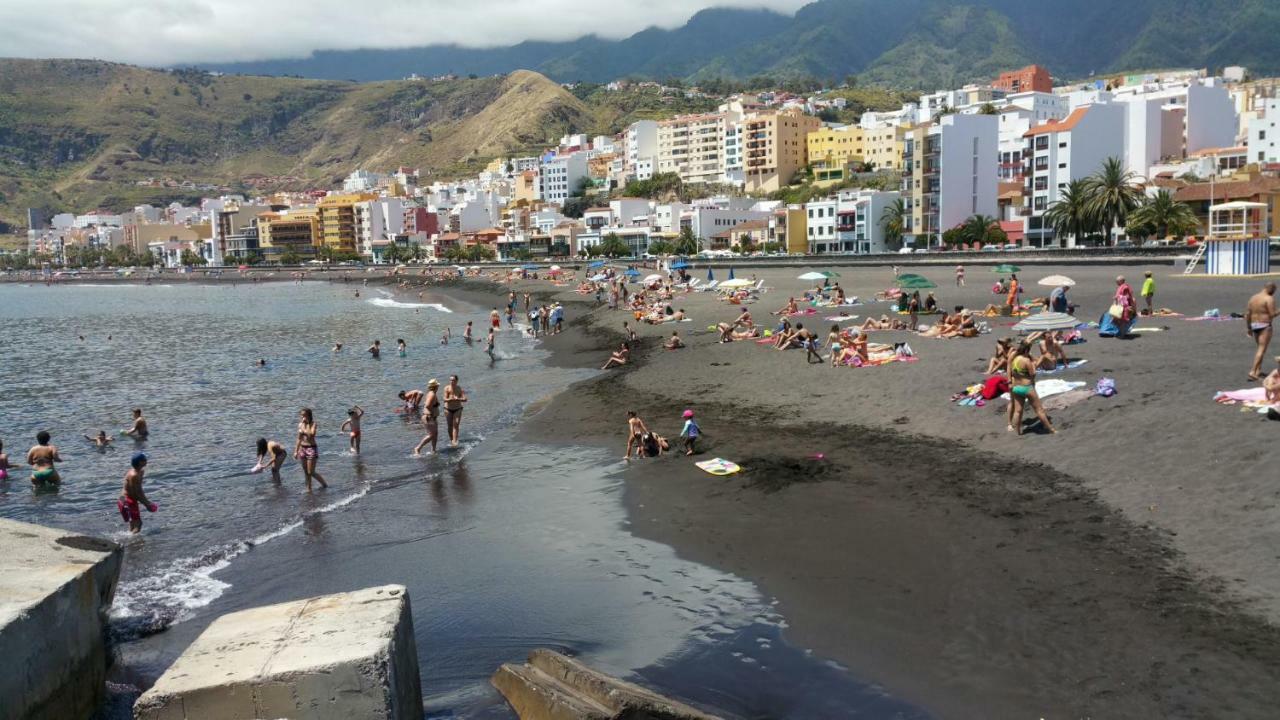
(1112,194)
(687,243)
(1163,216)
(1069,214)
(982,229)
(894,224)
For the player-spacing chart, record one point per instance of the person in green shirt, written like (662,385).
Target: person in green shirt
(1148,291)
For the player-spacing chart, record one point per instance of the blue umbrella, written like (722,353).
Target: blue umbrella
(632,272)
(528,267)
(679,265)
(730,272)
(596,264)
(710,275)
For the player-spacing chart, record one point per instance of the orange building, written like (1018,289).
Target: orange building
(1028,79)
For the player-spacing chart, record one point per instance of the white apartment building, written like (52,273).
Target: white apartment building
(692,147)
(1042,106)
(1264,135)
(707,221)
(821,222)
(375,222)
(524,164)
(559,176)
(631,212)
(859,220)
(969,96)
(733,170)
(948,174)
(641,145)
(1012,124)
(1072,149)
(872,120)
(361,181)
(1170,121)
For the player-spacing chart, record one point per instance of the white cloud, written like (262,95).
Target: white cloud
(164,32)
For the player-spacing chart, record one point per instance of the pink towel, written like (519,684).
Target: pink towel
(1253,394)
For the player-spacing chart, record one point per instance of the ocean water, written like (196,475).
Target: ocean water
(504,546)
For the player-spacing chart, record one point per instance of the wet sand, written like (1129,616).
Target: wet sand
(1123,568)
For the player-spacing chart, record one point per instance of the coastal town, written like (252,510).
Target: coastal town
(1006,164)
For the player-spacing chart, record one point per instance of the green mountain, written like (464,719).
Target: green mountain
(919,44)
(75,135)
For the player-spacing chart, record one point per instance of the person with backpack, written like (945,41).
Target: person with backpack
(690,432)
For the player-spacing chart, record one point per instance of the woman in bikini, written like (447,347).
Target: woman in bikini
(271,454)
(430,413)
(454,398)
(1000,360)
(1022,381)
(305,449)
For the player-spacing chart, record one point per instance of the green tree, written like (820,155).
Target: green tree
(1112,194)
(192,258)
(613,246)
(894,224)
(661,247)
(988,109)
(1162,216)
(521,254)
(687,243)
(1070,214)
(982,229)
(290,257)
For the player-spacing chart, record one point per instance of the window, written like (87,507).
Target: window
(1042,162)
(1062,166)
(1042,142)
(1262,134)
(1041,183)
(1039,202)
(1062,144)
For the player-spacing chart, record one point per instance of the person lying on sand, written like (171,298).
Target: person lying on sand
(937,329)
(884,323)
(854,351)
(729,334)
(962,325)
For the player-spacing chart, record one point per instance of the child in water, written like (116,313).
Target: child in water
(132,494)
(352,425)
(101,440)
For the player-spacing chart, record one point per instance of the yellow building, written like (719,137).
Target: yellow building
(831,150)
(882,147)
(297,230)
(337,217)
(775,146)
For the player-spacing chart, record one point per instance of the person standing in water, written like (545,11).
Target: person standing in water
(495,320)
(489,344)
(131,496)
(466,333)
(412,400)
(138,430)
(305,449)
(401,348)
(454,398)
(42,459)
(375,350)
(271,454)
(352,425)
(430,416)
(4,463)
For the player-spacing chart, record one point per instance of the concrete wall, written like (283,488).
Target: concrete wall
(347,656)
(55,590)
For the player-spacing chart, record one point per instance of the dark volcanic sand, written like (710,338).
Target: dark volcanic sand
(954,569)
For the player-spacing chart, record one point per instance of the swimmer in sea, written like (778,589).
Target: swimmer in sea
(4,463)
(401,348)
(466,334)
(138,430)
(375,350)
(337,347)
(132,495)
(101,440)
(42,458)
(262,362)
(352,425)
(444,338)
(495,320)
(271,454)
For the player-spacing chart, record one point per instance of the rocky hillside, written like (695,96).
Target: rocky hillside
(81,134)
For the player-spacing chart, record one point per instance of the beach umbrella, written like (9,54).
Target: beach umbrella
(1046,321)
(1057,281)
(554,268)
(632,272)
(830,275)
(915,282)
(710,275)
(599,278)
(736,283)
(653,278)
(730,272)
(596,264)
(812,276)
(1005,269)
(680,265)
(528,267)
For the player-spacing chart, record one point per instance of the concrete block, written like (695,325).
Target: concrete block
(338,657)
(552,686)
(55,591)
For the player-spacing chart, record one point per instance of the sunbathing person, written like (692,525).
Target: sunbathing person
(938,329)
(786,339)
(1271,383)
(619,358)
(855,351)
(791,308)
(884,323)
(674,342)
(962,326)
(1000,360)
(1051,352)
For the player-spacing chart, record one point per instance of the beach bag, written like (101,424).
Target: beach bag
(1116,311)
(1106,387)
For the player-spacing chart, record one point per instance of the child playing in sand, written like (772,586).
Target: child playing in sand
(352,425)
(690,432)
(132,495)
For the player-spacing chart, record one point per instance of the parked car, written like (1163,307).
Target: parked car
(991,248)
(1125,244)
(1012,246)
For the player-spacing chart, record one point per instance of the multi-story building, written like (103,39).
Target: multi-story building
(1012,124)
(230,216)
(337,216)
(882,146)
(560,175)
(377,223)
(1169,121)
(1056,153)
(820,219)
(692,147)
(733,173)
(775,147)
(1029,78)
(947,101)
(297,229)
(1264,136)
(860,220)
(832,149)
(949,174)
(641,144)
(1041,106)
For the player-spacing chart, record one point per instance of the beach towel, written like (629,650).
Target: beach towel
(841,318)
(1049,388)
(718,466)
(1062,368)
(1256,396)
(1108,326)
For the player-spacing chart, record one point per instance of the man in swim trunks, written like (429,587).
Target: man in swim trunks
(138,430)
(132,495)
(1258,317)
(466,334)
(41,458)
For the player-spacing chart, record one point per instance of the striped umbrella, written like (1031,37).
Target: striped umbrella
(1046,321)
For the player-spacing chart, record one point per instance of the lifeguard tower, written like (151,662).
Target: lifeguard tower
(1237,243)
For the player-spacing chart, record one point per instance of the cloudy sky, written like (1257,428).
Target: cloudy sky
(162,32)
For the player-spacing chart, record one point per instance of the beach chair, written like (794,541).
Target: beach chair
(709,287)
(693,284)
(760,288)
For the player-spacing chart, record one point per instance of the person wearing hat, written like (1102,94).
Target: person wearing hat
(690,432)
(430,415)
(1148,292)
(132,495)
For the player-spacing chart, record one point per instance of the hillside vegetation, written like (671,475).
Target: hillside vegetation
(75,135)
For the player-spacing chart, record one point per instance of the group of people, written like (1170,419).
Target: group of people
(643,442)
